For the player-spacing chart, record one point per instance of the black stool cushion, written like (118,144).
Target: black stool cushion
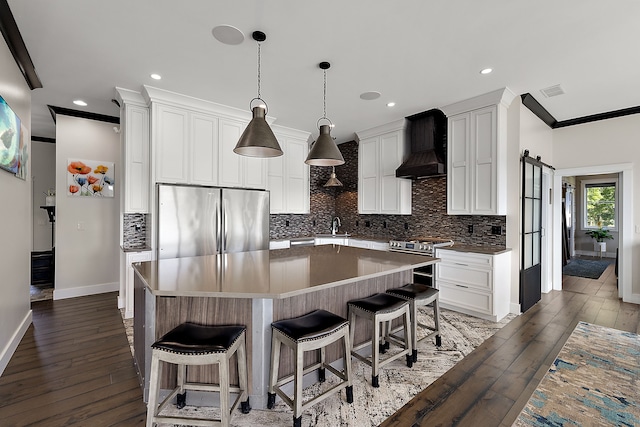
(378,303)
(190,338)
(310,326)
(414,291)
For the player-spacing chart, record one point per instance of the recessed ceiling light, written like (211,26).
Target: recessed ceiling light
(486,70)
(227,34)
(80,102)
(391,104)
(155,76)
(369,96)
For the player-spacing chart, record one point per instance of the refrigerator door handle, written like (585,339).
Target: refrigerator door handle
(224,227)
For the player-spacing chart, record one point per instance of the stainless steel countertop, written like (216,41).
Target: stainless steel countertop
(274,274)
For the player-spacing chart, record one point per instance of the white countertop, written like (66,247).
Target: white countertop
(280,273)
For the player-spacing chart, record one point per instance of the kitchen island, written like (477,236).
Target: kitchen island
(254,289)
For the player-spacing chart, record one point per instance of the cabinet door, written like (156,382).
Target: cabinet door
(368,188)
(395,193)
(254,172)
(132,257)
(484,154)
(297,177)
(172,148)
(204,149)
(276,183)
(136,151)
(458,191)
(231,165)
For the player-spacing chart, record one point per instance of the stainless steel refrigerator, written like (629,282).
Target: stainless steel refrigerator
(196,220)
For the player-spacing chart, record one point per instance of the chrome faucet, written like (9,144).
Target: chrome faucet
(335,224)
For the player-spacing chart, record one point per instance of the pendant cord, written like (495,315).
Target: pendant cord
(259,70)
(324,97)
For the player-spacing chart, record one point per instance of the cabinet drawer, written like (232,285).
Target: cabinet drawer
(465,258)
(465,297)
(463,274)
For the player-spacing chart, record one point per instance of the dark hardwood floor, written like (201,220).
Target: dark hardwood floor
(491,385)
(74,367)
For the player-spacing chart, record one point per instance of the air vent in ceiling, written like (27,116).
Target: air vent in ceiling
(554,90)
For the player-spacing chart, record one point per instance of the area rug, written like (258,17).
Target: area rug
(461,334)
(591,269)
(594,381)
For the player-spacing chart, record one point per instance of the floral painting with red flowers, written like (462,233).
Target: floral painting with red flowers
(90,178)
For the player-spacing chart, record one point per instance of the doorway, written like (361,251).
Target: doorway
(625,198)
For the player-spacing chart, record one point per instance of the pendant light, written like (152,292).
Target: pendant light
(324,152)
(333,180)
(258,139)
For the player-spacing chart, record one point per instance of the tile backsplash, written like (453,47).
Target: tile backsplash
(428,218)
(134,231)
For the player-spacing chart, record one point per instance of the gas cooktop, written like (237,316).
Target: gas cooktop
(422,245)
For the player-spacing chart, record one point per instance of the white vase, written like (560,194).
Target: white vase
(600,247)
(50,200)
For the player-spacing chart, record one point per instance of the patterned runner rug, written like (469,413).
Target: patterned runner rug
(594,381)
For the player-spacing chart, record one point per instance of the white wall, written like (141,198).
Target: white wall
(606,142)
(15,244)
(87,261)
(43,173)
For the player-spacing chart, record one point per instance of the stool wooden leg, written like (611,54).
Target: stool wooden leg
(407,335)
(245,407)
(223,372)
(297,386)
(154,389)
(414,329)
(375,352)
(322,375)
(275,366)
(436,319)
(347,366)
(181,398)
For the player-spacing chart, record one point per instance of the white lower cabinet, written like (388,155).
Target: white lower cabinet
(126,278)
(279,244)
(474,283)
(343,241)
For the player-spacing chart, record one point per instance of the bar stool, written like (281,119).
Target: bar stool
(312,331)
(190,344)
(420,295)
(380,309)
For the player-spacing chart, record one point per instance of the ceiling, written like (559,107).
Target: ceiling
(419,54)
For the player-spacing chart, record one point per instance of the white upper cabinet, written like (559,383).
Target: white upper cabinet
(476,154)
(134,131)
(170,143)
(288,175)
(204,149)
(380,152)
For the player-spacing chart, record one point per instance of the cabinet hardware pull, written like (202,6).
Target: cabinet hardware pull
(461,286)
(459,263)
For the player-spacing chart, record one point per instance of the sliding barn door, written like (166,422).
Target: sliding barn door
(530,267)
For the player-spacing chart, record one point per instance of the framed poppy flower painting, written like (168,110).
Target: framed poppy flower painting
(90,178)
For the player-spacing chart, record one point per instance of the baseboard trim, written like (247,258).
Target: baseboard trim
(12,345)
(514,308)
(596,254)
(82,291)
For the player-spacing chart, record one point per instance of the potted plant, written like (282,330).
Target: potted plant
(600,234)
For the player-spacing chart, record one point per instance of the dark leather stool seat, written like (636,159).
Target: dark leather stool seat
(420,295)
(381,309)
(312,331)
(190,344)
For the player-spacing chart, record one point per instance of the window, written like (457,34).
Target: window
(600,203)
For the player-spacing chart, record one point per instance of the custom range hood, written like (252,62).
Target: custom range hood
(427,135)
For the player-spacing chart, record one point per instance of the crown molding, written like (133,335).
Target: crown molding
(15,43)
(43,139)
(503,96)
(81,114)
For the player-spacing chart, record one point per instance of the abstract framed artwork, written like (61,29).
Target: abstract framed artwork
(9,138)
(90,178)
